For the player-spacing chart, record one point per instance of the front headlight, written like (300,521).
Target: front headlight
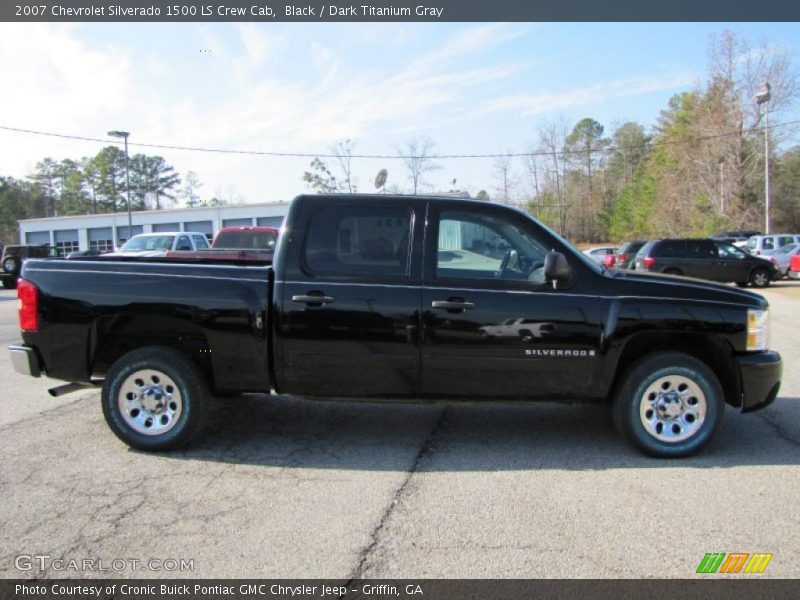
(757,329)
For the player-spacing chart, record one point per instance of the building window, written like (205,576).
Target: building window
(65,248)
(101,245)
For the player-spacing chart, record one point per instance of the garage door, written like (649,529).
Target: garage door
(66,241)
(237,222)
(167,227)
(269,221)
(101,238)
(37,237)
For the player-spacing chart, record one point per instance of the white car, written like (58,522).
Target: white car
(599,254)
(158,244)
(783,255)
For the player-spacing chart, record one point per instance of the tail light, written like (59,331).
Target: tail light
(648,262)
(28,295)
(610,260)
(622,257)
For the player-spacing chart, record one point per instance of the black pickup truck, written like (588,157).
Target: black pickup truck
(398,298)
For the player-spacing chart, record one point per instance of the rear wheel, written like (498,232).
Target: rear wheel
(669,405)
(155,399)
(760,278)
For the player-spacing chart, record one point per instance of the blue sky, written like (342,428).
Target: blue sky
(471,88)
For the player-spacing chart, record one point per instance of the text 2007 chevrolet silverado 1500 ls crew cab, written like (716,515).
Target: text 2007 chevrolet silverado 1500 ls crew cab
(392,297)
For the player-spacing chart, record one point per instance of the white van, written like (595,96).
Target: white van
(764,245)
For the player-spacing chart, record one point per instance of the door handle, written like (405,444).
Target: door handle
(453,304)
(313,299)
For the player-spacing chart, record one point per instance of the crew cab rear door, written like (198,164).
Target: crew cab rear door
(350,298)
(492,326)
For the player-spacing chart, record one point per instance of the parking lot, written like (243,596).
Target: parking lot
(284,487)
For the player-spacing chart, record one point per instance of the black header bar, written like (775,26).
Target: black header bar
(397,10)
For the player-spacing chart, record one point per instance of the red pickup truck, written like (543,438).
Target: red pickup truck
(794,267)
(251,244)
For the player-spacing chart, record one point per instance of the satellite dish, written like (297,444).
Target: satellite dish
(380,178)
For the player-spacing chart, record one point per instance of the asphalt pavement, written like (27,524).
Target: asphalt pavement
(285,487)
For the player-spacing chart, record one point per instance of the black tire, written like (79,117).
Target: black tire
(173,395)
(636,402)
(672,272)
(760,278)
(10,283)
(12,264)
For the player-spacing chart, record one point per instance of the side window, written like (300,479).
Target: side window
(345,240)
(768,244)
(700,249)
(671,249)
(784,240)
(184,243)
(200,241)
(729,251)
(479,246)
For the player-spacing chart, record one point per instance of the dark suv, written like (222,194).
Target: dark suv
(706,259)
(14,256)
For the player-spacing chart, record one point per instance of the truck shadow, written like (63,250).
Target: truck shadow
(284,431)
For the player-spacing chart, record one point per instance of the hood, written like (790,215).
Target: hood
(633,283)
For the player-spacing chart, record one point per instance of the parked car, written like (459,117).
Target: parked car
(764,245)
(706,259)
(158,244)
(794,267)
(330,321)
(626,254)
(733,237)
(599,254)
(783,256)
(15,256)
(248,244)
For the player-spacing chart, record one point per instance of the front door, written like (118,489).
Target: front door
(492,326)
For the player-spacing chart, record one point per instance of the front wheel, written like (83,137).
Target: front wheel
(760,278)
(669,405)
(155,399)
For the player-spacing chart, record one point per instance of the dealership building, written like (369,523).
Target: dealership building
(104,231)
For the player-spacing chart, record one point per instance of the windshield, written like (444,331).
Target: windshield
(144,243)
(247,240)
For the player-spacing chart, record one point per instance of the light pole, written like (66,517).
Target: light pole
(762,97)
(124,135)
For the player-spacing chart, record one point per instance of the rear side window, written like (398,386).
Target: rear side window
(346,240)
(200,241)
(782,241)
(700,249)
(670,249)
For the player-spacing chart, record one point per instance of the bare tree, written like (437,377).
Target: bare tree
(343,151)
(506,178)
(418,159)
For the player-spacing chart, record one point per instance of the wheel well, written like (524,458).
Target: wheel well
(714,352)
(115,336)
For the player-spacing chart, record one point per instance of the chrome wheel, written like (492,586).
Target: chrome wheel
(673,408)
(9,264)
(150,402)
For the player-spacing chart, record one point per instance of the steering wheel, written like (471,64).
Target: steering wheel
(509,262)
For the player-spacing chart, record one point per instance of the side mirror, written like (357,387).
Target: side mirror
(556,268)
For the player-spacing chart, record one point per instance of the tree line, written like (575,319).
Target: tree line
(94,184)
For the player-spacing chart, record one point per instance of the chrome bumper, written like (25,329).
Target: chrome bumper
(24,360)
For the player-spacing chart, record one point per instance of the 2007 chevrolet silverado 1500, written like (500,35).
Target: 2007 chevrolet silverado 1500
(392,297)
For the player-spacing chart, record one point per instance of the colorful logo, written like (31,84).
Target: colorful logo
(735,562)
